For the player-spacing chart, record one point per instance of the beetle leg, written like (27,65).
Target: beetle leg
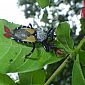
(51,33)
(26,56)
(46,46)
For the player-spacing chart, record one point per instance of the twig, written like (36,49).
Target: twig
(57,71)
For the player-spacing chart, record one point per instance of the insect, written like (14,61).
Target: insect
(27,34)
(58,51)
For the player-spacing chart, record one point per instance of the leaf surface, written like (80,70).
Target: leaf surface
(31,78)
(6,80)
(63,35)
(12,54)
(77,75)
(82,57)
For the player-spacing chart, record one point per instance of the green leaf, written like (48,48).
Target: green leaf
(8,48)
(42,58)
(77,75)
(82,57)
(43,3)
(83,70)
(12,54)
(6,80)
(32,78)
(63,35)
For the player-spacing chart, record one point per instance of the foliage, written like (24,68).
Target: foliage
(6,80)
(67,68)
(77,73)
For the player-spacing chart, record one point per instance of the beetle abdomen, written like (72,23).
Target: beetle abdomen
(21,34)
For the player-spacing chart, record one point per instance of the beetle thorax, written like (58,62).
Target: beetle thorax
(41,35)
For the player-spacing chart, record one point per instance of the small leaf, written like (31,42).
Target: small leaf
(6,80)
(77,75)
(31,78)
(43,3)
(81,57)
(63,35)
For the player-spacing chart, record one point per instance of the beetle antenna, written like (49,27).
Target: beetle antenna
(30,25)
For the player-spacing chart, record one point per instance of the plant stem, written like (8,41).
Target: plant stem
(57,71)
(80,44)
(64,63)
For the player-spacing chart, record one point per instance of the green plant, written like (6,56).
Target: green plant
(31,71)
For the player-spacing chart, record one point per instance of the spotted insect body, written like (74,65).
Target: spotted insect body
(23,35)
(30,35)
